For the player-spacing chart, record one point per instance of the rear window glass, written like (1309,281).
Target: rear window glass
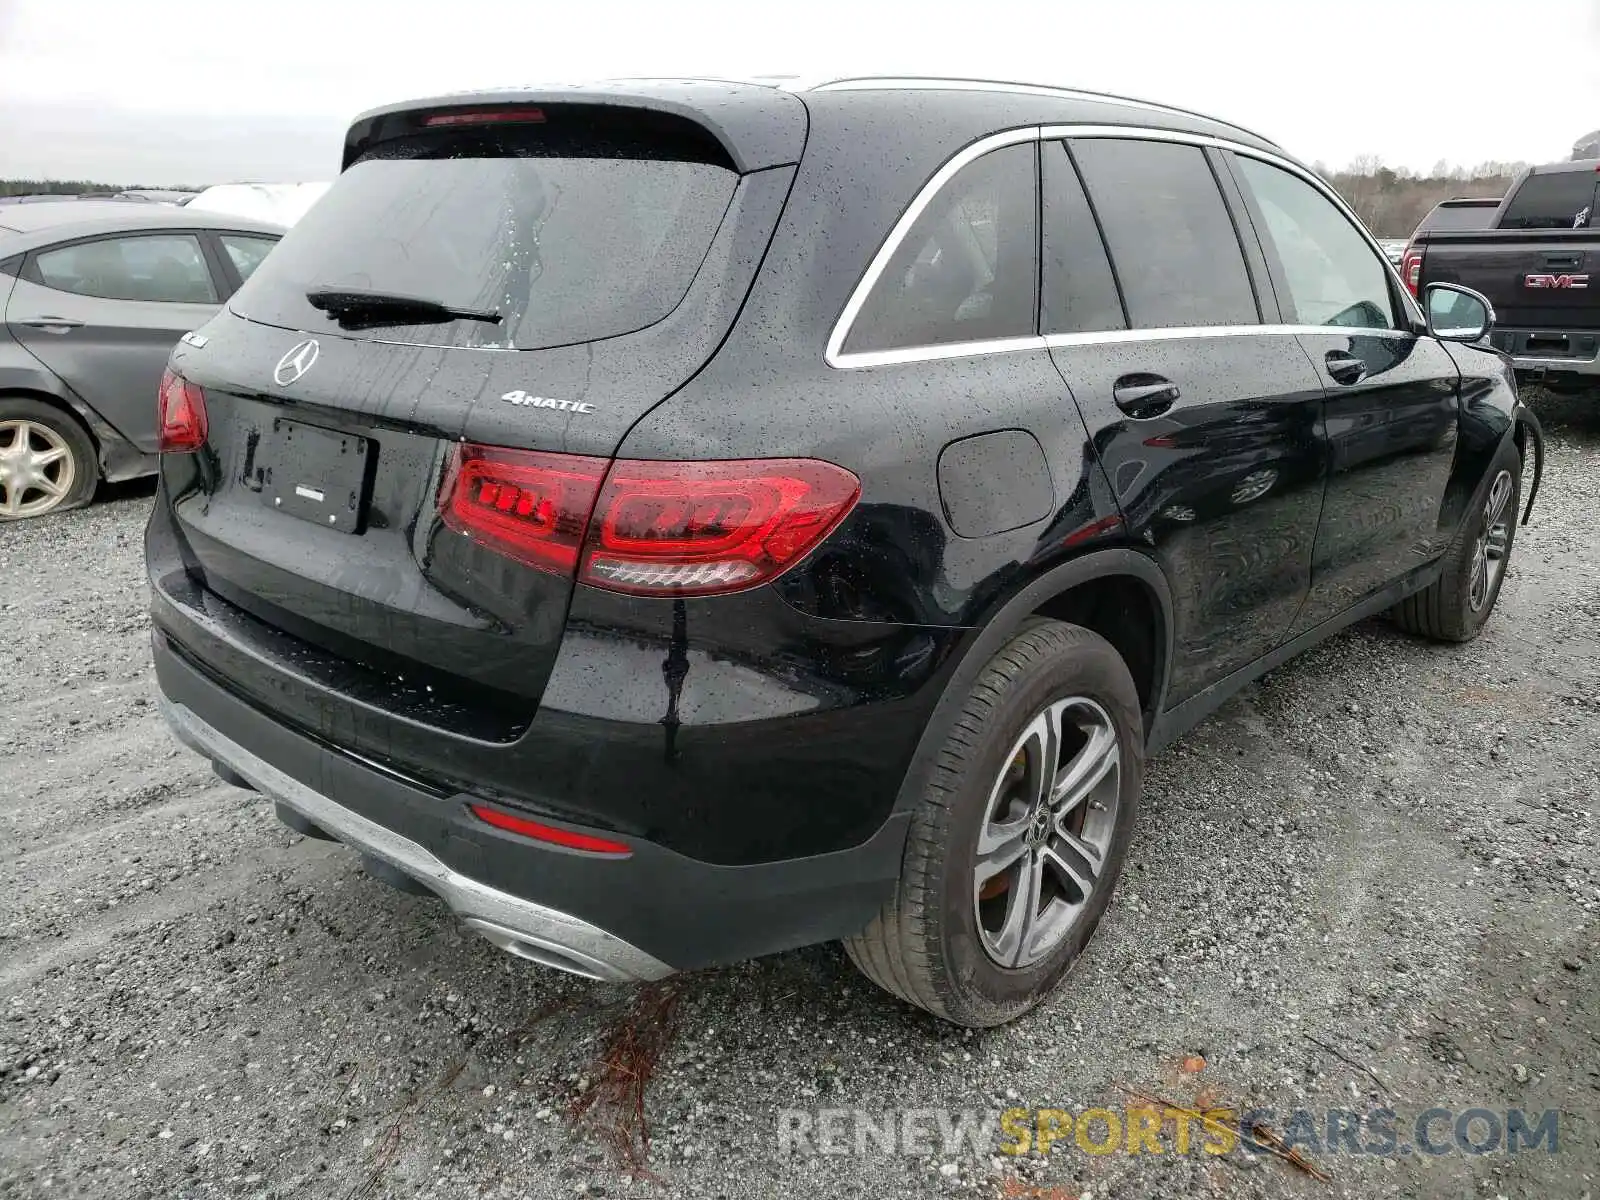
(246,253)
(1455,217)
(565,249)
(968,269)
(1560,200)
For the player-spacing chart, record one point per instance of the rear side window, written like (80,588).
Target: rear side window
(1559,200)
(1450,218)
(1080,295)
(967,269)
(1172,242)
(245,252)
(1335,277)
(166,268)
(566,243)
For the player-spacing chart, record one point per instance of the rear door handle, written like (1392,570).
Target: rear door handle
(53,324)
(1563,260)
(1142,395)
(1345,368)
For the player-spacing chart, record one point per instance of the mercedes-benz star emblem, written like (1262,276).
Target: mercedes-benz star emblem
(296,362)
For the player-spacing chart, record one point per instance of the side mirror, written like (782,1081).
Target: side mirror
(1458,314)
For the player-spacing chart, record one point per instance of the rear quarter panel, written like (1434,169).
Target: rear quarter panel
(769,392)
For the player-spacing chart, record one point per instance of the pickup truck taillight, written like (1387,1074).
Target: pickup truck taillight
(1411,267)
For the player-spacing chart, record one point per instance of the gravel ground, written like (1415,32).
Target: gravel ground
(1369,881)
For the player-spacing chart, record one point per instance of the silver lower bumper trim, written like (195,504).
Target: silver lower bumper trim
(518,926)
(1573,366)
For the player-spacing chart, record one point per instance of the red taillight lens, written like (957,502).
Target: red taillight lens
(657,528)
(698,528)
(1411,268)
(548,833)
(183,425)
(530,506)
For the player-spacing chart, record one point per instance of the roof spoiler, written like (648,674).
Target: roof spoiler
(756,127)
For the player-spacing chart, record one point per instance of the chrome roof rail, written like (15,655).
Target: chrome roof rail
(891,83)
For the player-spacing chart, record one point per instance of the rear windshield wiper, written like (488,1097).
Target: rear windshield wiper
(354,308)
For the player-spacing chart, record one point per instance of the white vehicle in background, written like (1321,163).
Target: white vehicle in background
(278,203)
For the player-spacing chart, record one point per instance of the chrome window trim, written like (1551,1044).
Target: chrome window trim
(835,356)
(1179,332)
(915,354)
(834,353)
(908,354)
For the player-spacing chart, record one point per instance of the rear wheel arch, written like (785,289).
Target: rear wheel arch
(1071,592)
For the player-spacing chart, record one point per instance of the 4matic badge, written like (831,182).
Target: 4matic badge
(526,401)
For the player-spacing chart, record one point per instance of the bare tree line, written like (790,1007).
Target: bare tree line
(1392,200)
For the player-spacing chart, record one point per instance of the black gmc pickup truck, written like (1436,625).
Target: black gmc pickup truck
(1535,262)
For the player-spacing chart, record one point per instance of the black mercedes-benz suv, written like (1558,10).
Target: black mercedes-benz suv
(673,521)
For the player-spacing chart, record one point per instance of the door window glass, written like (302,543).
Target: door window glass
(246,253)
(967,270)
(159,267)
(1335,277)
(1080,295)
(1172,242)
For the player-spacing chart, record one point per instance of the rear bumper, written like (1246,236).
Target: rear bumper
(637,917)
(1577,351)
(520,926)
(1555,366)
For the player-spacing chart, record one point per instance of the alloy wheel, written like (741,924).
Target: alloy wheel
(1494,542)
(1047,832)
(37,469)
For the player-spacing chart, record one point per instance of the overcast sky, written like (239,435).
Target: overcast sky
(202,91)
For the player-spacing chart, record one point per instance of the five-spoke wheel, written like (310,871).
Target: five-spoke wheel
(1047,830)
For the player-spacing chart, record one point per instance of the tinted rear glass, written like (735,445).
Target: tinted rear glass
(968,269)
(1458,217)
(572,246)
(1554,201)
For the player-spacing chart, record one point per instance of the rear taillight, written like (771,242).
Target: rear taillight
(530,506)
(657,528)
(183,424)
(696,528)
(1411,268)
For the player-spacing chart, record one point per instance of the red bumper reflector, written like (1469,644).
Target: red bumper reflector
(1092,530)
(548,833)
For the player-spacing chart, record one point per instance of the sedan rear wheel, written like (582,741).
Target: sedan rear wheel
(46,461)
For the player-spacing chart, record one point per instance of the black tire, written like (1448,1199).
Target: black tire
(925,945)
(1445,610)
(81,466)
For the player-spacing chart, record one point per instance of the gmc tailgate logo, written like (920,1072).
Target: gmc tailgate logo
(1555,281)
